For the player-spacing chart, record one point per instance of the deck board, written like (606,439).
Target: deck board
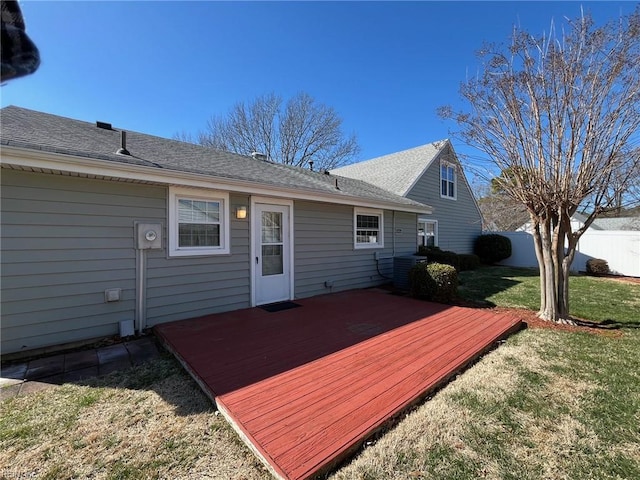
(306,386)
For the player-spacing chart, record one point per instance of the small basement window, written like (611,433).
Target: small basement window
(369,228)
(198,222)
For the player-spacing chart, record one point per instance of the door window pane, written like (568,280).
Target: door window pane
(272,260)
(271,227)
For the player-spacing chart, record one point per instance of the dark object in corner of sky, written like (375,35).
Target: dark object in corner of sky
(20,56)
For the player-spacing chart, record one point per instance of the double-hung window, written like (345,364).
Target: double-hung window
(427,233)
(448,180)
(369,228)
(198,222)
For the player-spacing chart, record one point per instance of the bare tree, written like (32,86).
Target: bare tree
(561,114)
(184,136)
(623,191)
(500,213)
(300,132)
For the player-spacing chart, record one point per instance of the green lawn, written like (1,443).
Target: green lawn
(591,298)
(547,404)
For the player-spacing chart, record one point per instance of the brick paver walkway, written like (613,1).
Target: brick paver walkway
(53,370)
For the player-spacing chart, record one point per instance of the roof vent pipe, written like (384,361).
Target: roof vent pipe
(123,144)
(311,165)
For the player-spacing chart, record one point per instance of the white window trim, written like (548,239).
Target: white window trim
(368,211)
(455,180)
(176,193)
(435,228)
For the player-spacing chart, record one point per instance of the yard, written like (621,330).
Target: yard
(548,403)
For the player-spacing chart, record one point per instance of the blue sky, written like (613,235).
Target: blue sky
(164,67)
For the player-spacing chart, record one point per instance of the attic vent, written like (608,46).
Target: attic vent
(123,144)
(259,156)
(104,125)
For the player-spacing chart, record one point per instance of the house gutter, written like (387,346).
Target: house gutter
(104,169)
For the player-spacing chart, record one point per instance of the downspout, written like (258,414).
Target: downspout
(393,246)
(148,236)
(141,290)
(393,236)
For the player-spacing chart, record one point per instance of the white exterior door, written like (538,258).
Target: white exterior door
(272,252)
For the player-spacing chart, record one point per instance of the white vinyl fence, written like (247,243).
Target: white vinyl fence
(620,248)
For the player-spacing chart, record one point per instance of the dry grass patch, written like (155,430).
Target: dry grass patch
(556,443)
(528,410)
(433,441)
(149,422)
(546,404)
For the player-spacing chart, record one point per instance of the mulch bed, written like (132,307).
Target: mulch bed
(531,319)
(617,278)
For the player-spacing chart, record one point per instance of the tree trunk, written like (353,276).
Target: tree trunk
(566,269)
(548,274)
(537,243)
(555,265)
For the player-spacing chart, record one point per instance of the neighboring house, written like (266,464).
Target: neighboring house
(616,240)
(618,223)
(428,174)
(97,230)
(598,225)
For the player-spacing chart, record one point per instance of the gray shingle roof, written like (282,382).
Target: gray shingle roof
(50,133)
(619,223)
(396,172)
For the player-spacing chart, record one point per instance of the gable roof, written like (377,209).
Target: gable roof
(617,223)
(610,223)
(64,138)
(603,223)
(397,172)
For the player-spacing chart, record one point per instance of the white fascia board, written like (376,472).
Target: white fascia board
(38,159)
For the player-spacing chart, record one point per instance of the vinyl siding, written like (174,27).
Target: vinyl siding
(65,240)
(187,287)
(459,222)
(324,249)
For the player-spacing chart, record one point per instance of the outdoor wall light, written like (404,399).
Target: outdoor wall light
(241,212)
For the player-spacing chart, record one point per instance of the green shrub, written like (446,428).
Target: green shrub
(492,248)
(435,255)
(421,285)
(468,261)
(446,278)
(597,266)
(433,281)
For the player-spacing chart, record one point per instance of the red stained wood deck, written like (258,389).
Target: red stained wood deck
(305,387)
